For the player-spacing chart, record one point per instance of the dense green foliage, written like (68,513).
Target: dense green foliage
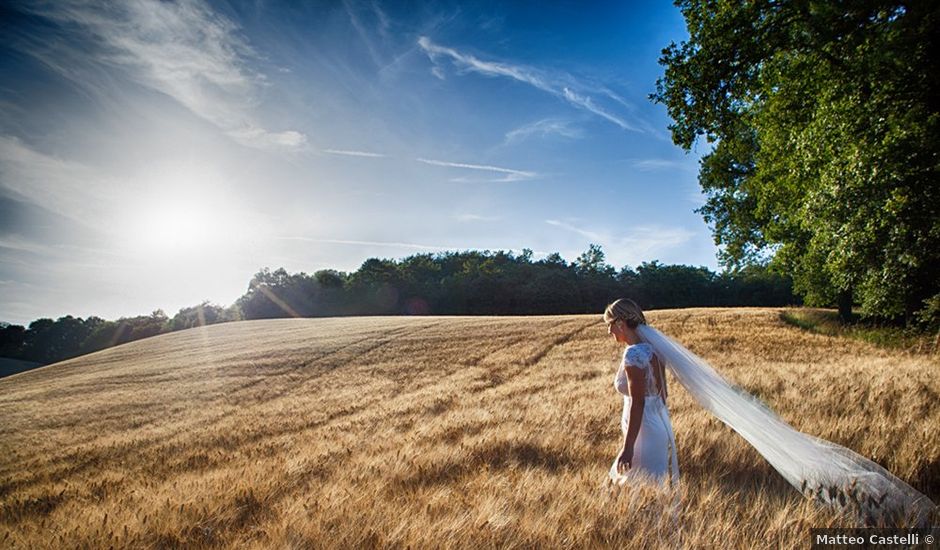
(501,283)
(824,120)
(452,283)
(47,341)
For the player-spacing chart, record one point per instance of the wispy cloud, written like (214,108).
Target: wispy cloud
(66,188)
(654,164)
(543,128)
(61,253)
(585,102)
(353,153)
(19,244)
(696,197)
(389,244)
(469,62)
(510,174)
(616,97)
(560,85)
(260,138)
(475,218)
(364,34)
(641,243)
(182,49)
(404,245)
(583,232)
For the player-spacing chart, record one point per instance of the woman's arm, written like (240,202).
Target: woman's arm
(637,384)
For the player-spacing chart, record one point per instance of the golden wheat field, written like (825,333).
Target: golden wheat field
(433,432)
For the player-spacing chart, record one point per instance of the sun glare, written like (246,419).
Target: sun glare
(183,214)
(168,227)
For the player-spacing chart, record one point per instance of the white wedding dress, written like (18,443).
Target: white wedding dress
(654,452)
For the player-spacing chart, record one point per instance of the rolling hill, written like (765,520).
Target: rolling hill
(432,431)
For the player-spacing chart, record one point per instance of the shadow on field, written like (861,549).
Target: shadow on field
(19,509)
(927,480)
(499,455)
(745,482)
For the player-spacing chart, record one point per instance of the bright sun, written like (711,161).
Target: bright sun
(182,214)
(180,226)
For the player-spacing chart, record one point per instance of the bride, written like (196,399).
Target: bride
(649,446)
(820,470)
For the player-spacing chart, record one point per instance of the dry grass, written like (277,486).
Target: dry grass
(432,432)
(826,321)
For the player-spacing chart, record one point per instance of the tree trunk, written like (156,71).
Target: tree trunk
(845,305)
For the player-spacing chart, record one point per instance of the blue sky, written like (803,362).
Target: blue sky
(157,154)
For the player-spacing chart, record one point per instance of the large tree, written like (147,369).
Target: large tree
(823,120)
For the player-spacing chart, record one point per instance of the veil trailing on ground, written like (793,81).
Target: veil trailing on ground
(821,470)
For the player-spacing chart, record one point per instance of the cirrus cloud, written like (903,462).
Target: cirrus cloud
(558,84)
(182,49)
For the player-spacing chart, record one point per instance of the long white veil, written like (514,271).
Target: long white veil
(819,469)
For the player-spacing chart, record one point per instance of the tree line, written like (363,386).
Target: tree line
(448,283)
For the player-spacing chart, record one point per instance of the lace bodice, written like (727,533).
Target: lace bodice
(640,356)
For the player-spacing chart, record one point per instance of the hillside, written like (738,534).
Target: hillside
(468,431)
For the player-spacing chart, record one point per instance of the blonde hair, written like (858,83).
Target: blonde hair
(627,310)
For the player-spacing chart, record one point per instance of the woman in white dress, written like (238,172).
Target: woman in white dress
(649,445)
(821,470)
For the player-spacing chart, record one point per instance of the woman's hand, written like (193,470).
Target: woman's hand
(624,460)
